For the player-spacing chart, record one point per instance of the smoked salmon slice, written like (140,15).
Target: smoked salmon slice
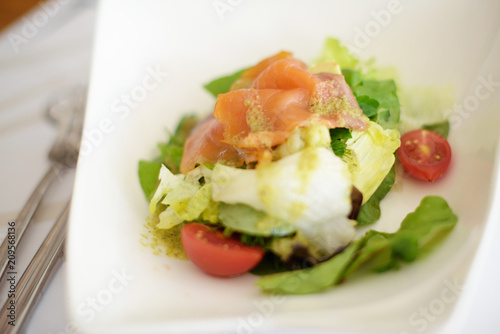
(247,77)
(206,145)
(264,106)
(261,118)
(330,93)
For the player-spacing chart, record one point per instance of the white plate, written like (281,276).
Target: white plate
(156,55)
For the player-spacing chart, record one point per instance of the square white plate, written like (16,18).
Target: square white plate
(151,59)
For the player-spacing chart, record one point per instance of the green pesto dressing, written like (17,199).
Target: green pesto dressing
(162,242)
(308,162)
(333,106)
(267,193)
(255,117)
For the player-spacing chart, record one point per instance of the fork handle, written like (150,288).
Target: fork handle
(35,279)
(24,218)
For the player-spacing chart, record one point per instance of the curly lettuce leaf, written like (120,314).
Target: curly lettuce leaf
(188,200)
(334,50)
(182,198)
(420,231)
(166,182)
(372,158)
(168,219)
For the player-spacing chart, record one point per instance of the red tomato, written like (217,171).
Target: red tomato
(424,154)
(216,254)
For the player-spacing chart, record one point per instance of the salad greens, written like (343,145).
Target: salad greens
(419,232)
(384,92)
(245,219)
(379,101)
(334,50)
(377,98)
(171,156)
(222,85)
(215,195)
(372,158)
(370,211)
(339,137)
(148,176)
(369,106)
(186,199)
(443,128)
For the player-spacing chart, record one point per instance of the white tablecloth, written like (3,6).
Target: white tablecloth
(46,52)
(50,50)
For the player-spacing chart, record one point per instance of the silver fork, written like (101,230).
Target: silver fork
(64,155)
(36,277)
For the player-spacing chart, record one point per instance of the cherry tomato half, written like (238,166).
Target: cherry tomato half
(216,254)
(424,154)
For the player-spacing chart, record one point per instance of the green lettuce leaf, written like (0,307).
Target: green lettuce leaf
(171,152)
(352,77)
(377,98)
(339,137)
(168,219)
(373,247)
(310,280)
(372,157)
(148,177)
(171,156)
(245,219)
(442,128)
(167,182)
(189,200)
(384,92)
(420,231)
(370,211)
(222,85)
(333,49)
(182,197)
(429,223)
(369,106)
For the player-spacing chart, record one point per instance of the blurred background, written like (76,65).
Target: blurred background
(45,51)
(10,10)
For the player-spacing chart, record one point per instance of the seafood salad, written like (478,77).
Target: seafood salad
(293,159)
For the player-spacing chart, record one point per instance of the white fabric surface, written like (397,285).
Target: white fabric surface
(57,56)
(36,65)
